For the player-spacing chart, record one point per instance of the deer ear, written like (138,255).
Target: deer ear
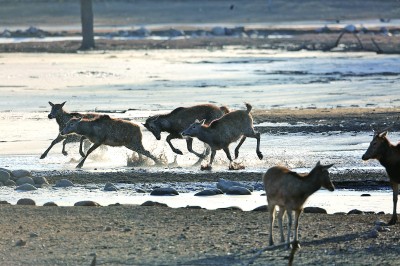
(51,104)
(203,121)
(326,167)
(63,103)
(382,134)
(318,164)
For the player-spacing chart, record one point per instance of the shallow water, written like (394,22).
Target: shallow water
(337,201)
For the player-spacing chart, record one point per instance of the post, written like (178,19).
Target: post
(87,25)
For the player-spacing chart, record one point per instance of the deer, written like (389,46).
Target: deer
(220,133)
(62,117)
(289,191)
(108,131)
(388,156)
(179,119)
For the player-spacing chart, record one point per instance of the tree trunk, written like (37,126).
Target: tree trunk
(87,25)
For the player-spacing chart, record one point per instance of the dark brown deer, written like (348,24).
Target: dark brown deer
(223,131)
(62,117)
(290,190)
(108,131)
(180,119)
(388,156)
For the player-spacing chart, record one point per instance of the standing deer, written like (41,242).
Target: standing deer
(179,119)
(108,131)
(223,131)
(388,156)
(290,190)
(62,117)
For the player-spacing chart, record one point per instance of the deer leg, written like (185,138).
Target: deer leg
(209,167)
(281,213)
(149,155)
(81,146)
(54,142)
(296,227)
(272,211)
(256,135)
(95,146)
(395,188)
(189,144)
(169,137)
(289,229)
(238,146)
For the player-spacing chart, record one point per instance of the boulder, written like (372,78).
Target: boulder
(20,173)
(314,210)
(25,180)
(355,211)
(168,191)
(153,203)
(26,187)
(50,203)
(40,180)
(64,183)
(236,190)
(209,192)
(110,187)
(10,183)
(4,176)
(26,201)
(224,185)
(87,203)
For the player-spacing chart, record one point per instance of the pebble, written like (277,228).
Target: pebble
(26,201)
(33,234)
(20,243)
(50,203)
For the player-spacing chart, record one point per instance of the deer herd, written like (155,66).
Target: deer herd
(218,127)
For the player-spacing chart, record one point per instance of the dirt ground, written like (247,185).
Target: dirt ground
(143,235)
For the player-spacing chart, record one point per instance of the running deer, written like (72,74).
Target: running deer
(181,118)
(108,131)
(62,117)
(223,131)
(388,156)
(289,191)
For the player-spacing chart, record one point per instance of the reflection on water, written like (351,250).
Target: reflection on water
(336,201)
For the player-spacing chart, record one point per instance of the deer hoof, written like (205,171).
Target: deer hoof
(392,221)
(178,152)
(260,156)
(65,153)
(43,156)
(206,167)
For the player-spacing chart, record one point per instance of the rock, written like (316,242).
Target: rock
(3,202)
(236,190)
(324,29)
(88,203)
(4,176)
(365,195)
(20,243)
(26,201)
(232,208)
(314,210)
(10,183)
(143,32)
(110,187)
(380,222)
(373,234)
(33,234)
(355,211)
(107,229)
(176,33)
(40,180)
(20,173)
(64,183)
(50,203)
(193,207)
(224,185)
(140,190)
(26,187)
(218,31)
(350,28)
(25,180)
(154,203)
(6,34)
(168,191)
(209,192)
(262,208)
